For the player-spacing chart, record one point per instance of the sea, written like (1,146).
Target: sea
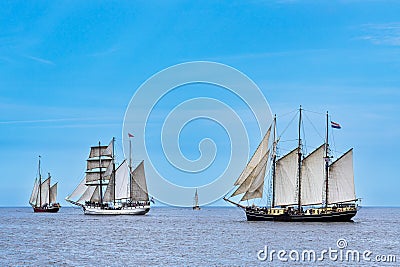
(213,236)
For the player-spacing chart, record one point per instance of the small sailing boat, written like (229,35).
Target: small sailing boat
(310,188)
(43,197)
(110,190)
(196,201)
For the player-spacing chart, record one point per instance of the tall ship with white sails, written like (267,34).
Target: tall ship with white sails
(108,189)
(302,188)
(44,195)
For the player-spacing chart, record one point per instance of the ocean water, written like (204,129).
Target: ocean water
(183,237)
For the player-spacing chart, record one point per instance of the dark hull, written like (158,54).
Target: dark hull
(344,216)
(50,209)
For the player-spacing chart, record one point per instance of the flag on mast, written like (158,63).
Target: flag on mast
(335,125)
(130,135)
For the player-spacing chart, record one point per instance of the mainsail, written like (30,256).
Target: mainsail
(53,193)
(44,187)
(312,177)
(341,179)
(286,179)
(138,184)
(121,182)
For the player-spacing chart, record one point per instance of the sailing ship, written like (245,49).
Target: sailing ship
(196,201)
(44,195)
(110,190)
(302,188)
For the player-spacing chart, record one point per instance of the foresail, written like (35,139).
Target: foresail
(44,188)
(53,193)
(78,192)
(87,194)
(258,155)
(96,195)
(312,177)
(255,177)
(35,192)
(138,184)
(256,188)
(286,179)
(341,179)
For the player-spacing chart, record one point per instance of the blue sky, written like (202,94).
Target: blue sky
(69,68)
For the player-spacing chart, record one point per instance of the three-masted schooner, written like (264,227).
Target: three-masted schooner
(304,188)
(196,201)
(110,190)
(44,195)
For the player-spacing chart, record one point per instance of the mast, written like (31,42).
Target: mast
(196,199)
(49,188)
(326,161)
(113,162)
(299,163)
(274,164)
(130,167)
(40,185)
(101,179)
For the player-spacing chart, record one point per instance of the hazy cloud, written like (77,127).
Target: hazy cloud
(40,60)
(382,34)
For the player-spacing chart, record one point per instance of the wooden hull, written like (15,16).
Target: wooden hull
(140,210)
(47,209)
(259,215)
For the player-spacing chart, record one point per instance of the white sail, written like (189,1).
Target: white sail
(312,177)
(87,194)
(286,179)
(258,155)
(109,194)
(122,181)
(138,184)
(341,179)
(44,188)
(108,171)
(35,192)
(196,199)
(96,195)
(256,188)
(78,192)
(109,149)
(95,163)
(53,193)
(255,178)
(96,151)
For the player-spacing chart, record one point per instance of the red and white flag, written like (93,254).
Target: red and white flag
(130,135)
